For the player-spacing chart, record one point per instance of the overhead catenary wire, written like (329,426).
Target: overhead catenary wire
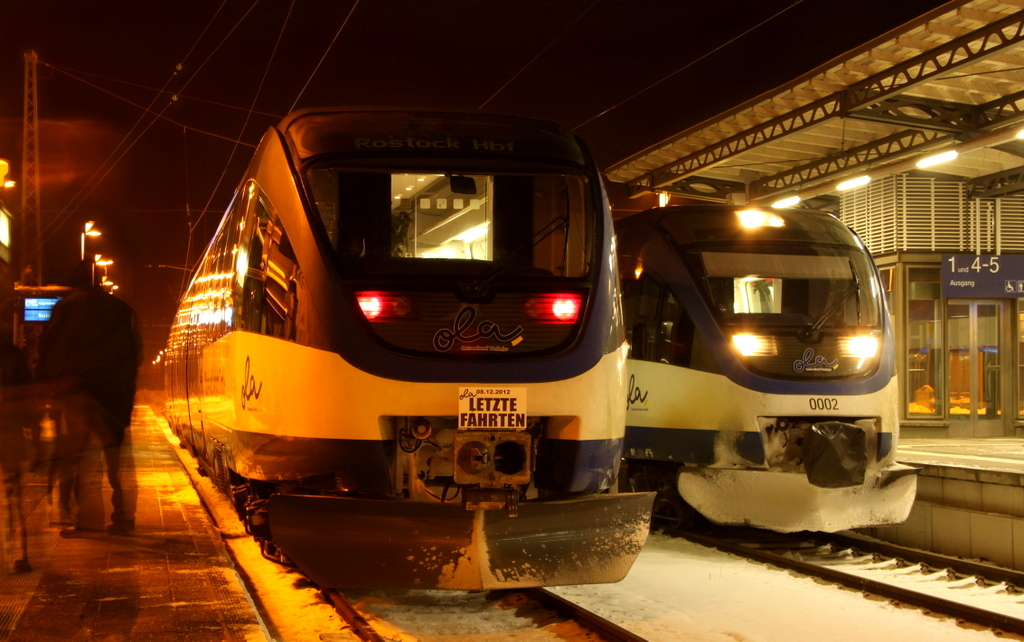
(147,109)
(539,54)
(245,124)
(72,72)
(93,182)
(687,65)
(322,58)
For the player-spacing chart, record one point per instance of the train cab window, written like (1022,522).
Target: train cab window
(829,289)
(531,224)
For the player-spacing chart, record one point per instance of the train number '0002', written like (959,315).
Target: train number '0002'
(824,403)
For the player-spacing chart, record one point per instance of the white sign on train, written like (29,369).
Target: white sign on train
(492,407)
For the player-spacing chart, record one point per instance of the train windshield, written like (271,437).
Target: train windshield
(814,286)
(456,222)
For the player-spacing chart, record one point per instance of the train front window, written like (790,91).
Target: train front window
(831,288)
(459,223)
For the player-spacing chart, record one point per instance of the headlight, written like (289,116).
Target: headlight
(754,345)
(858,347)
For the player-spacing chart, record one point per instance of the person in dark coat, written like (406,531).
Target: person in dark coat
(17,416)
(89,356)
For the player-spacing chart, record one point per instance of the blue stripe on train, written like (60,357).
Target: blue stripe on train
(576,466)
(693,446)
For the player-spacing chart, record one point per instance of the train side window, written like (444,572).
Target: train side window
(644,328)
(676,332)
(250,271)
(280,289)
(269,299)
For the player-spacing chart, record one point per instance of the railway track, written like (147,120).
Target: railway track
(970,591)
(536,599)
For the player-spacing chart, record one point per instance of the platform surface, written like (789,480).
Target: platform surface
(998,454)
(169,579)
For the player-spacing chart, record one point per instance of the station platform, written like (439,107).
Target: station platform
(970,499)
(168,579)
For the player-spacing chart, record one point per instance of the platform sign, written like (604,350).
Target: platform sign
(482,407)
(989,276)
(38,309)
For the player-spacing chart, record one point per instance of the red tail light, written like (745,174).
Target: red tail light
(377,306)
(371,306)
(555,308)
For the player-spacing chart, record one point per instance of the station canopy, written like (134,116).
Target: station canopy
(949,81)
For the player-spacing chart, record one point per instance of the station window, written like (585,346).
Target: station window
(924,347)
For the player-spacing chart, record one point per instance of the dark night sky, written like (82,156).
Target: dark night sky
(565,60)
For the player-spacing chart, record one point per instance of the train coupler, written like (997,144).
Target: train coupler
(492,499)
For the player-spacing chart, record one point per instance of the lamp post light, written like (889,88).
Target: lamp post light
(88,230)
(103,262)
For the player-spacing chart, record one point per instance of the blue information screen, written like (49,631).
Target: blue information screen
(991,276)
(39,309)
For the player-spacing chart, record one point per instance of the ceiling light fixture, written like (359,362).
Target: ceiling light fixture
(789,201)
(935,159)
(853,182)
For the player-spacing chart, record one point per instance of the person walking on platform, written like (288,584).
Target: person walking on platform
(89,357)
(18,416)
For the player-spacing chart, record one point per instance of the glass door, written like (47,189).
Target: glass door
(975,368)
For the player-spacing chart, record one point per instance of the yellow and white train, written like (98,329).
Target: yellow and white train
(402,354)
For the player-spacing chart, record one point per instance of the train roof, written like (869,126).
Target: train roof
(689,224)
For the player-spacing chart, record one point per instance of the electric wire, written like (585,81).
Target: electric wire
(93,182)
(687,65)
(71,72)
(245,124)
(188,212)
(539,54)
(147,109)
(322,58)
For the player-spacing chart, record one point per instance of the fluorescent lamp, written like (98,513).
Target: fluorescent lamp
(472,233)
(789,201)
(853,182)
(442,253)
(935,159)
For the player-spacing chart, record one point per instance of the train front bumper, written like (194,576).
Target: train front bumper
(786,502)
(361,543)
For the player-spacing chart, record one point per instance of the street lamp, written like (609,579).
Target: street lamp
(102,261)
(88,230)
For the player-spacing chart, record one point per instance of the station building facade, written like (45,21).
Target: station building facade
(953,269)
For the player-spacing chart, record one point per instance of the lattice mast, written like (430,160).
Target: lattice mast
(31,244)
